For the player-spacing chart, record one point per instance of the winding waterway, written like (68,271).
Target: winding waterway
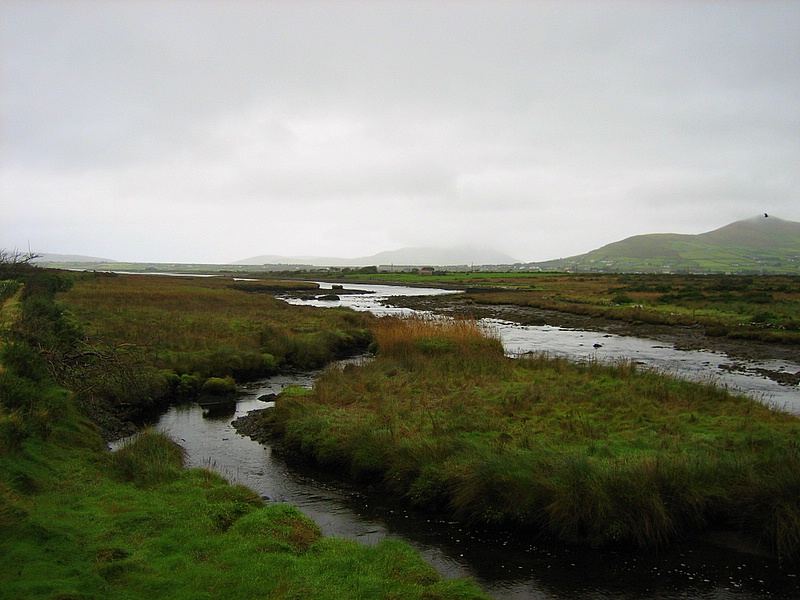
(747,376)
(503,564)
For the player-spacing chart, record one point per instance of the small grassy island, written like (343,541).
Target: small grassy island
(589,453)
(78,522)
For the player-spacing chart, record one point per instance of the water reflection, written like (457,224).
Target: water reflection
(219,410)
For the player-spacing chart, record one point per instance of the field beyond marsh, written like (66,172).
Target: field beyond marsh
(588,453)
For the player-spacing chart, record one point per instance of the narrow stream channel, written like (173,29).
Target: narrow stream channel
(506,566)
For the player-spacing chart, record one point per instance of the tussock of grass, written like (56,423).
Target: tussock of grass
(408,339)
(602,454)
(149,458)
(279,530)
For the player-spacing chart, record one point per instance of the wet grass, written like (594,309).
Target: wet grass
(76,522)
(590,453)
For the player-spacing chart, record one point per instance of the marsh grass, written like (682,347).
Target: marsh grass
(589,452)
(196,329)
(414,340)
(204,318)
(765,308)
(78,522)
(149,458)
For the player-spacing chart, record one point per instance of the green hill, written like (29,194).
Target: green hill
(757,245)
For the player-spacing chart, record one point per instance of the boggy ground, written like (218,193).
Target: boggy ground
(78,522)
(150,340)
(589,453)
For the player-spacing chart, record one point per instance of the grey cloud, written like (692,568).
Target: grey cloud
(523,125)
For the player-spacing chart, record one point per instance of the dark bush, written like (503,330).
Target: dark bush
(219,386)
(17,392)
(23,360)
(12,431)
(620,298)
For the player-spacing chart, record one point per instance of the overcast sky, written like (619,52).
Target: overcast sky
(213,131)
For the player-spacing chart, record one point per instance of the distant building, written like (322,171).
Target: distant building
(425,271)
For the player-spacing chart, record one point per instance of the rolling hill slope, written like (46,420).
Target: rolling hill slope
(757,245)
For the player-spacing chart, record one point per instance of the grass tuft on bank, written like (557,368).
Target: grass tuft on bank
(600,454)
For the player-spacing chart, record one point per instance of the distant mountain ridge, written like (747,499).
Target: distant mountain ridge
(51,257)
(763,244)
(412,256)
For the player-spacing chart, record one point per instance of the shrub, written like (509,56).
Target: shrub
(269,363)
(620,298)
(188,386)
(8,288)
(219,386)
(12,431)
(17,392)
(24,361)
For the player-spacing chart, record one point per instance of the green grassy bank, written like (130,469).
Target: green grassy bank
(589,453)
(78,522)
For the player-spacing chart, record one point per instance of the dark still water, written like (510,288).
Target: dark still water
(505,565)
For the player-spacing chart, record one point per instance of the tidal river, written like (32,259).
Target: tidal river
(505,565)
